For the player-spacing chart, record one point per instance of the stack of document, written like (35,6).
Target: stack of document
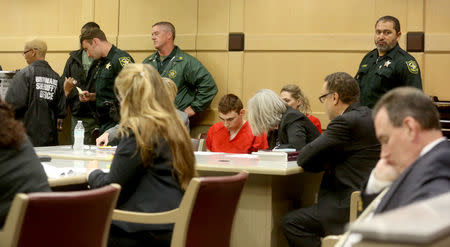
(281,155)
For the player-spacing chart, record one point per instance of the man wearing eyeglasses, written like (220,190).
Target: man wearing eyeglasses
(387,66)
(346,152)
(232,134)
(36,93)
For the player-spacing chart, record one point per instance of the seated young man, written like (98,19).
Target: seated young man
(233,134)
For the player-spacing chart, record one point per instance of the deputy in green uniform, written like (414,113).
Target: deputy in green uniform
(388,66)
(112,60)
(196,86)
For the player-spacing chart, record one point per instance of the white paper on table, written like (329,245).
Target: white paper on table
(57,172)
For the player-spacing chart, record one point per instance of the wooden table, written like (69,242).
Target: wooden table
(272,189)
(66,152)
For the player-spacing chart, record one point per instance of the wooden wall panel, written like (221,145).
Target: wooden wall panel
(137,17)
(58,22)
(217,64)
(437,48)
(285,41)
(438,74)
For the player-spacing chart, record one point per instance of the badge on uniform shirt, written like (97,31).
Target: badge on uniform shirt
(108,65)
(412,66)
(386,64)
(172,73)
(124,60)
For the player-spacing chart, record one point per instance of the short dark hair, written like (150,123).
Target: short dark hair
(90,34)
(391,19)
(90,25)
(229,103)
(344,85)
(402,102)
(168,26)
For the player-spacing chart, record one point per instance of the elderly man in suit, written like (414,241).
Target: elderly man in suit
(415,157)
(346,152)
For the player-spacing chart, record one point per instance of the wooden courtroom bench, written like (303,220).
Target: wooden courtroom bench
(444,112)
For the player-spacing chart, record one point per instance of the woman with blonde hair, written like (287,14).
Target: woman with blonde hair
(295,98)
(285,126)
(173,90)
(154,161)
(110,136)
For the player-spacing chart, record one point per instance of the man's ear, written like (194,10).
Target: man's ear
(95,41)
(33,52)
(399,34)
(335,98)
(242,112)
(411,127)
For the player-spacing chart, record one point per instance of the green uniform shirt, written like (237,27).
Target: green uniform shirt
(108,69)
(377,75)
(196,86)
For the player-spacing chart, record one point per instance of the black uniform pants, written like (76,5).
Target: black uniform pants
(302,227)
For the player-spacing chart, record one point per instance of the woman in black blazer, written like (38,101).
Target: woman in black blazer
(285,127)
(154,161)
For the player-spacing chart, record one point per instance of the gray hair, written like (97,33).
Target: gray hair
(265,110)
(38,45)
(405,102)
(167,26)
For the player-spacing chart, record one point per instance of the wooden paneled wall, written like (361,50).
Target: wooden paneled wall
(286,41)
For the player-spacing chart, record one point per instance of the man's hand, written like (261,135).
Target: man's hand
(102,140)
(69,84)
(189,111)
(85,96)
(383,171)
(59,125)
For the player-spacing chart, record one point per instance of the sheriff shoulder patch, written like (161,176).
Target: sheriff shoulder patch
(124,60)
(412,66)
(172,74)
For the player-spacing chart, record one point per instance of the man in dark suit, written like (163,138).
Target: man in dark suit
(415,157)
(346,152)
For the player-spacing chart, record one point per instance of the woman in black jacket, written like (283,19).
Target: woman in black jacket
(285,127)
(154,161)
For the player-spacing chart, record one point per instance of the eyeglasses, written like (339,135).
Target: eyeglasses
(322,98)
(25,52)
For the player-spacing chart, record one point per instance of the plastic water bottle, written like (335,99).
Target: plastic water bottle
(78,135)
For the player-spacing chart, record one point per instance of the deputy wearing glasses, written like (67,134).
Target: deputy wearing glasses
(37,95)
(387,66)
(346,152)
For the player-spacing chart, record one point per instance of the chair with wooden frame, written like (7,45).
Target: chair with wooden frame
(205,215)
(70,219)
(355,208)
